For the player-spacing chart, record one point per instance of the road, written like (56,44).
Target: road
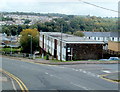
(51,77)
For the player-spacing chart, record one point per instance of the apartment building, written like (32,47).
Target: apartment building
(69,47)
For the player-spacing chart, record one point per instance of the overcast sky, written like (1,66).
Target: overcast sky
(70,7)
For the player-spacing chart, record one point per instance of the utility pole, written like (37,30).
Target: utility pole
(61,43)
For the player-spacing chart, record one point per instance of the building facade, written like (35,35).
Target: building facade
(68,47)
(103,36)
(114,48)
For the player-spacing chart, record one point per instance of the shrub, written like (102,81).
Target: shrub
(47,57)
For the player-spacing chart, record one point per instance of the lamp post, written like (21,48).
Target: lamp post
(11,45)
(30,45)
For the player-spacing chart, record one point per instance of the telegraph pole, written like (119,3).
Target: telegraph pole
(61,43)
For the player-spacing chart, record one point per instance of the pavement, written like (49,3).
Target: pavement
(43,61)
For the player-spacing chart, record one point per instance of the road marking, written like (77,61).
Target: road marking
(76,70)
(79,86)
(46,73)
(103,77)
(14,87)
(61,67)
(84,71)
(73,69)
(107,71)
(20,83)
(80,70)
(55,76)
(52,75)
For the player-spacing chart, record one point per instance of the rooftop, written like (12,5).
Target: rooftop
(69,38)
(102,34)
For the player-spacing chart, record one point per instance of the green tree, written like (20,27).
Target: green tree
(27,21)
(79,33)
(28,36)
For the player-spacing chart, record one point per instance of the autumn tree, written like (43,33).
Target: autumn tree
(29,36)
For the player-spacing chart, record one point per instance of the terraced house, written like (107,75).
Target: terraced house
(69,47)
(111,40)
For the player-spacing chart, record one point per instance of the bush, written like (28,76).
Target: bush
(47,57)
(8,50)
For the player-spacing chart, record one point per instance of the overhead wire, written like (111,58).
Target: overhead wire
(99,6)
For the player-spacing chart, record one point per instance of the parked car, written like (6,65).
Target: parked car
(111,58)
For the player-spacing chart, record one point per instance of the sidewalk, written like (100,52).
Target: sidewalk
(43,61)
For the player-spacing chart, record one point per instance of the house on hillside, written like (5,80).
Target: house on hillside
(103,36)
(111,40)
(69,47)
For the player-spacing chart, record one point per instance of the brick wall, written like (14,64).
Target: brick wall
(86,51)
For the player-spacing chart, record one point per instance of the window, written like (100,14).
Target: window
(68,49)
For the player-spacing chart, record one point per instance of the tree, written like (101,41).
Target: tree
(27,21)
(79,33)
(26,36)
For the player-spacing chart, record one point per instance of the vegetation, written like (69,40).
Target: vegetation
(6,19)
(47,57)
(27,21)
(66,23)
(28,36)
(8,50)
(79,33)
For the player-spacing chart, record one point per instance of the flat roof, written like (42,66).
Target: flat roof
(70,38)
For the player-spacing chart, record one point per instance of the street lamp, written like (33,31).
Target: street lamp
(30,45)
(11,45)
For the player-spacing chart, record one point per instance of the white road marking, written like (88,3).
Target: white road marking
(55,76)
(52,75)
(107,71)
(78,85)
(13,84)
(84,71)
(46,73)
(61,67)
(80,70)
(98,75)
(76,70)
(73,69)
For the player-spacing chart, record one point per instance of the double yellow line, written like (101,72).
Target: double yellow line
(20,83)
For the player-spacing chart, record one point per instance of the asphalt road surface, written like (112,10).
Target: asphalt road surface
(51,77)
